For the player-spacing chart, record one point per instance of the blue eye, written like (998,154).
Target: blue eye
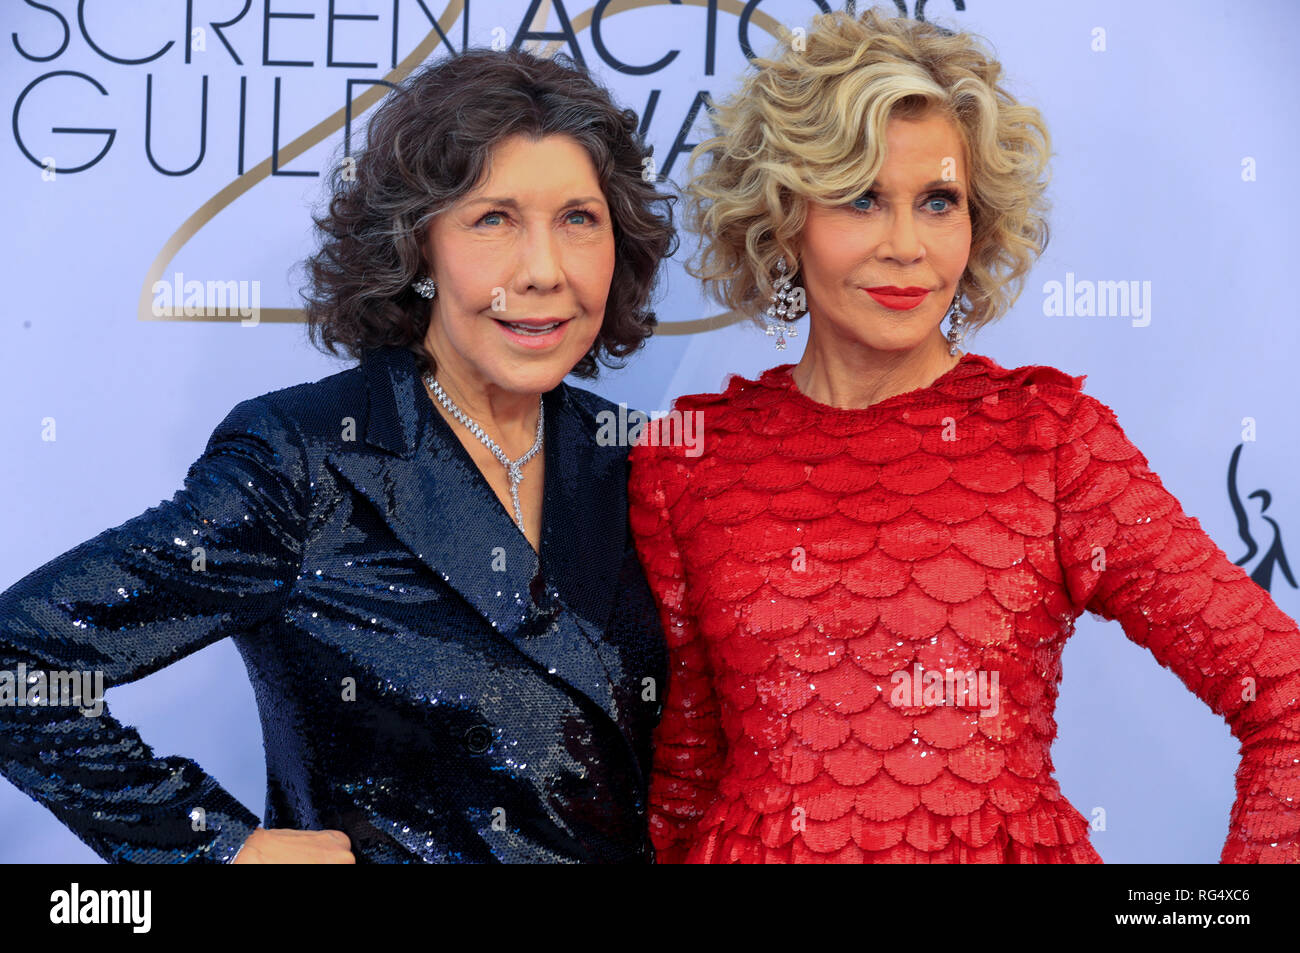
(497,213)
(949,196)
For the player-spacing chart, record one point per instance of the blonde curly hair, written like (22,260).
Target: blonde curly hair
(810,126)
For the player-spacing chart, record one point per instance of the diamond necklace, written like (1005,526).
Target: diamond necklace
(513,468)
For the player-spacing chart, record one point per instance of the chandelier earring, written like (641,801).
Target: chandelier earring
(956,329)
(782,312)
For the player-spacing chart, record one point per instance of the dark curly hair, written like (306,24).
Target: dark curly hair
(427,145)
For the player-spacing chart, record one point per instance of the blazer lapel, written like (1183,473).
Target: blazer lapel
(584,530)
(415,471)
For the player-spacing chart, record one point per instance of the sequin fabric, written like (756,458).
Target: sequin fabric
(809,554)
(426,683)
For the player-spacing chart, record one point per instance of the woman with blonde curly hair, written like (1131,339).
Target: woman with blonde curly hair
(868,576)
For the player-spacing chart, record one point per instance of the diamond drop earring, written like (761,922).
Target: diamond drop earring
(781,312)
(426,287)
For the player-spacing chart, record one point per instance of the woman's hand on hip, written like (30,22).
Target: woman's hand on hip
(288,846)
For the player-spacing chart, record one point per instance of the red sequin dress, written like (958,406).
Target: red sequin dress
(809,555)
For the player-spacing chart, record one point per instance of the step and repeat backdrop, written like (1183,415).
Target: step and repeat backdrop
(161,142)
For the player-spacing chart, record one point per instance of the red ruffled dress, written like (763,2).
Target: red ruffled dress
(815,567)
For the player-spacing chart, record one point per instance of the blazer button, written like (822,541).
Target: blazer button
(478,739)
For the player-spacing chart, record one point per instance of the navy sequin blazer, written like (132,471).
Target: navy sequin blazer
(425,683)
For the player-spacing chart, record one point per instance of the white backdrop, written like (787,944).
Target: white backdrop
(1173,126)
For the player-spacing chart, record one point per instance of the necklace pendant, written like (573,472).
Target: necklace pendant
(514,498)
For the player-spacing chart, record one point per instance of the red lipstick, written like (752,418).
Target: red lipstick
(897,299)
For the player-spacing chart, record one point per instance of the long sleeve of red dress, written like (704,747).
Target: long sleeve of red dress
(809,560)
(1131,554)
(688,743)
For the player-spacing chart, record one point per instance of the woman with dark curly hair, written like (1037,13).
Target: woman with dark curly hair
(425,559)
